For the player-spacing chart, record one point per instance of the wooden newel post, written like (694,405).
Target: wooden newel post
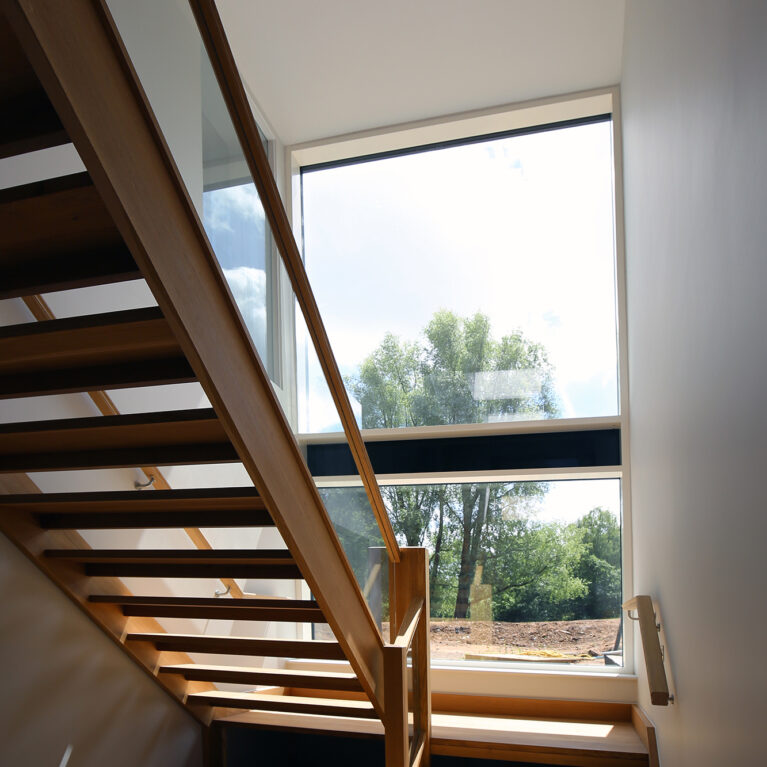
(409,616)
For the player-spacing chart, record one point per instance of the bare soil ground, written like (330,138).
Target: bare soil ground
(453,639)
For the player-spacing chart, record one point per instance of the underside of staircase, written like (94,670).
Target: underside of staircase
(58,234)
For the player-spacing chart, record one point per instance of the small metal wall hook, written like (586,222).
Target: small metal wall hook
(223,593)
(141,485)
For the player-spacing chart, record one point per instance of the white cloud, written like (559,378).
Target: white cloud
(521,230)
(248,285)
(232,202)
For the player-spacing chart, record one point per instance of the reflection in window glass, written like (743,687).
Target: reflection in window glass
(519,571)
(359,534)
(467,284)
(236,227)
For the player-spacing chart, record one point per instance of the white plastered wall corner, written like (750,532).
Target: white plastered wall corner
(695,163)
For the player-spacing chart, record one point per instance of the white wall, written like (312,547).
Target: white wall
(164,45)
(65,683)
(695,121)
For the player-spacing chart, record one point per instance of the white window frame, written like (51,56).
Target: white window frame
(495,678)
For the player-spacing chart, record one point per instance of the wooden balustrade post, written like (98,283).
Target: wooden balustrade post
(397,741)
(409,584)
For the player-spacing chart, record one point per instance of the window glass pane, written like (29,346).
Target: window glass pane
(525,572)
(468,284)
(236,227)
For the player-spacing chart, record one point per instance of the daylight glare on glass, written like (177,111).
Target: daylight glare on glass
(469,283)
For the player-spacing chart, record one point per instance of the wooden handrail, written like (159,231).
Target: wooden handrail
(40,310)
(222,60)
(653,652)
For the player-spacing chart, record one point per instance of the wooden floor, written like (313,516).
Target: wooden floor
(520,739)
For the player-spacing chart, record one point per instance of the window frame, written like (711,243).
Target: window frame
(452,128)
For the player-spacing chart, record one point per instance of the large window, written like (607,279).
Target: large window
(470,287)
(471,282)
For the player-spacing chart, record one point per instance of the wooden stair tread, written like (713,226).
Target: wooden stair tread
(183,563)
(169,437)
(288,703)
(29,121)
(34,125)
(281,610)
(315,649)
(47,272)
(99,351)
(57,235)
(481,737)
(59,215)
(202,499)
(468,735)
(264,556)
(320,680)
(209,507)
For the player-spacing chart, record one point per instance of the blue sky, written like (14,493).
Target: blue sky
(519,228)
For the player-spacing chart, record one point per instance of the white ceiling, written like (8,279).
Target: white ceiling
(322,68)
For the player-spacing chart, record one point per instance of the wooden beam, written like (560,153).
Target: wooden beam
(80,60)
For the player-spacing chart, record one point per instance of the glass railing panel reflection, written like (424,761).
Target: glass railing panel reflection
(170,59)
(519,572)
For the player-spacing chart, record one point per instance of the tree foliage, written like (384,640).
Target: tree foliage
(486,535)
(435,382)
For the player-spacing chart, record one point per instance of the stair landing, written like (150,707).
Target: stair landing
(577,742)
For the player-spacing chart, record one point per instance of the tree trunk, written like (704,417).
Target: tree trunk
(469,495)
(437,545)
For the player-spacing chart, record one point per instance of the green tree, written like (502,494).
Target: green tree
(458,373)
(533,570)
(599,566)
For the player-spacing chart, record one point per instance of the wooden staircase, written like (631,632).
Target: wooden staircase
(121,349)
(129,218)
(130,349)
(69,232)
